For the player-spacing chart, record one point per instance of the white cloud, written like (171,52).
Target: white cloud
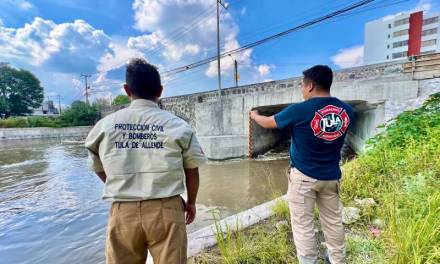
(22,4)
(66,47)
(349,57)
(227,63)
(117,57)
(264,69)
(422,5)
(192,48)
(145,42)
(78,84)
(147,14)
(189,36)
(104,84)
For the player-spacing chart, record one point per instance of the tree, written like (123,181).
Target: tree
(79,114)
(20,92)
(121,100)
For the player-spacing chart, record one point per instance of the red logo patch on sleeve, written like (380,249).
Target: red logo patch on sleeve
(330,122)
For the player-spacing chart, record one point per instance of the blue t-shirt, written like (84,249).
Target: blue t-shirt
(318,127)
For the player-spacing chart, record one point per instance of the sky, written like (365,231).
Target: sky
(58,40)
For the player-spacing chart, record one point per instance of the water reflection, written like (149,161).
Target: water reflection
(51,209)
(241,184)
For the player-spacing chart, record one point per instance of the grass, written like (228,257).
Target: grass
(400,171)
(281,209)
(362,248)
(267,242)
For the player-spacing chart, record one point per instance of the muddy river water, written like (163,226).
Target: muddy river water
(51,209)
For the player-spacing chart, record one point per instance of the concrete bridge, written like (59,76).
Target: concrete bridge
(377,93)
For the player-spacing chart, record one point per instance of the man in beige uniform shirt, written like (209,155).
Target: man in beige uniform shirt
(143,155)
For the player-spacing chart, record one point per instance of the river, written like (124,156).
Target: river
(51,209)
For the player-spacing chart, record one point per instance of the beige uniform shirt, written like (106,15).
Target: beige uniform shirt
(143,151)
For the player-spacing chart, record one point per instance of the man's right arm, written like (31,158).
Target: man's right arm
(102,176)
(289,116)
(92,143)
(192,187)
(193,158)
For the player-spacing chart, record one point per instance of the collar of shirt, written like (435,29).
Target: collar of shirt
(141,103)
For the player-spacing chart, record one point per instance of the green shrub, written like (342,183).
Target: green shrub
(79,114)
(401,171)
(13,122)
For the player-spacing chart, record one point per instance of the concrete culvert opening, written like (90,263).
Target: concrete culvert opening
(262,140)
(368,117)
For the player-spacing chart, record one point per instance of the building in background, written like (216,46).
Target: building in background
(404,35)
(46,109)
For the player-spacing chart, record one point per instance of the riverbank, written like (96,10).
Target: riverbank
(391,195)
(43,132)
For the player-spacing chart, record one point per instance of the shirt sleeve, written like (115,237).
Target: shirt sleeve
(92,143)
(193,156)
(288,116)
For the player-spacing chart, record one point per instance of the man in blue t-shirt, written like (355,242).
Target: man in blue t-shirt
(318,127)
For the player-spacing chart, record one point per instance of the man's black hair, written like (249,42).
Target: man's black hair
(322,75)
(143,79)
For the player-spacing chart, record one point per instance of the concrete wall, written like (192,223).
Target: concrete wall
(43,132)
(222,125)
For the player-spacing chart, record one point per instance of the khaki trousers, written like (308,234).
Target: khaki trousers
(303,193)
(155,225)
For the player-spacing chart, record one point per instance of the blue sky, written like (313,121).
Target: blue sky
(58,40)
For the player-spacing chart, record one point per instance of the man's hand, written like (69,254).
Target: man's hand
(264,121)
(190,213)
(192,187)
(253,114)
(102,176)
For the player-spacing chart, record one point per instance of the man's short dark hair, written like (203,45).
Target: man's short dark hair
(322,75)
(143,79)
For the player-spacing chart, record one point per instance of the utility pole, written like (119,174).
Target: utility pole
(225,6)
(59,104)
(87,87)
(236,73)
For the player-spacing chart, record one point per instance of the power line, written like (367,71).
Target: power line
(379,4)
(180,32)
(337,14)
(250,35)
(264,40)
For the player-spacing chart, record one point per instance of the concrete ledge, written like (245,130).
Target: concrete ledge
(43,132)
(224,147)
(204,238)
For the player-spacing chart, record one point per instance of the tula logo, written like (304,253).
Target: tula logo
(330,122)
